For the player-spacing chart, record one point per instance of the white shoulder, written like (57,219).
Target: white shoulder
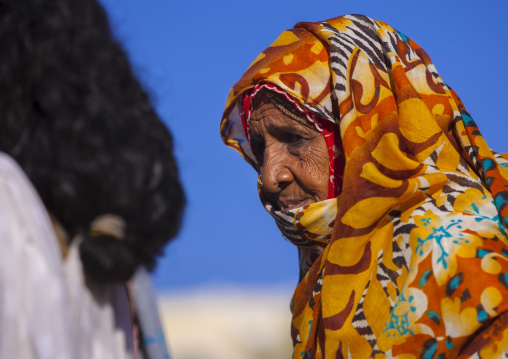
(33,322)
(47,310)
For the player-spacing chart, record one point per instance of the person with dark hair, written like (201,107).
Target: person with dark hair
(82,129)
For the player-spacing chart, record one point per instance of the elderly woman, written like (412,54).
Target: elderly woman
(371,165)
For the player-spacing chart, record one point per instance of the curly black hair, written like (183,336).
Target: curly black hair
(76,119)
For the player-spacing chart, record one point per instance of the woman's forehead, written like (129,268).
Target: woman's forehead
(266,111)
(275,113)
(270,116)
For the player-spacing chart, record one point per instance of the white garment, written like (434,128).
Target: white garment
(46,310)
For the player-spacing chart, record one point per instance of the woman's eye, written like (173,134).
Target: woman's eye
(294,138)
(296,144)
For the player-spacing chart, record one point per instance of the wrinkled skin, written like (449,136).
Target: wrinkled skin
(294,158)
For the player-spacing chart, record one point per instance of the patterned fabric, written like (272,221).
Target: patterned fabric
(417,262)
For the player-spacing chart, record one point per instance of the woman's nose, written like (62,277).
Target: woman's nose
(275,172)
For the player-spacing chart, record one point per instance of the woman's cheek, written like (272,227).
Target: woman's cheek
(315,164)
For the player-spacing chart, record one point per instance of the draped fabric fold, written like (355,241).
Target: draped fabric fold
(417,263)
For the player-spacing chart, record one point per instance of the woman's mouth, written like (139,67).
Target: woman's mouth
(292,204)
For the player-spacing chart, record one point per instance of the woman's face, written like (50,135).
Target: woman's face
(294,158)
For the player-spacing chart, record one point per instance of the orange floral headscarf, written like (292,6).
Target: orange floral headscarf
(417,262)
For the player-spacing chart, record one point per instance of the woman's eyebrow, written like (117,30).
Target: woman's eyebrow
(288,128)
(300,119)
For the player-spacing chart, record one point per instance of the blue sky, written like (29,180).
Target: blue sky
(188,54)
